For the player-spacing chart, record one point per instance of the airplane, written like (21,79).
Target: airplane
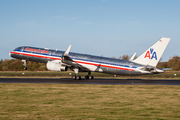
(57,60)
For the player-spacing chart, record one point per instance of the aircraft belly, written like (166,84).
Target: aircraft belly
(118,71)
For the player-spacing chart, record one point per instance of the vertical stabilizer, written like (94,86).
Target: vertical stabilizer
(153,54)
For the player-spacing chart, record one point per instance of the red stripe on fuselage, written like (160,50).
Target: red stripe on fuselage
(95,64)
(104,66)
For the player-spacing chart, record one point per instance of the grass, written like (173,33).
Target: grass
(166,75)
(46,74)
(93,102)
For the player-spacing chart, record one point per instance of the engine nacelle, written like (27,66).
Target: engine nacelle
(56,65)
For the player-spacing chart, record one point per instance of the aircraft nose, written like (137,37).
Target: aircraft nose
(10,54)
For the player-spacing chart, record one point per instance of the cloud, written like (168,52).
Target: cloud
(87,23)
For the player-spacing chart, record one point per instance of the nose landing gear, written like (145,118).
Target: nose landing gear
(25,64)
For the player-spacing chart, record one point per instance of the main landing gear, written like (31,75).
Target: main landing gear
(76,77)
(89,76)
(25,64)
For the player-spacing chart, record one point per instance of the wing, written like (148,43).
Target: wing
(66,60)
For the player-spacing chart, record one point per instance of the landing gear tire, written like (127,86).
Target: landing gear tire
(76,77)
(89,77)
(73,77)
(25,68)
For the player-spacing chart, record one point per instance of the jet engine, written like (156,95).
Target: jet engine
(56,66)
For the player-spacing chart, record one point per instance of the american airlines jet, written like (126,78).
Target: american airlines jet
(61,60)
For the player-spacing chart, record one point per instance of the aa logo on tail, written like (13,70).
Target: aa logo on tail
(151,54)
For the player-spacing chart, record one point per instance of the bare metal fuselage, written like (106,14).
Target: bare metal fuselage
(90,62)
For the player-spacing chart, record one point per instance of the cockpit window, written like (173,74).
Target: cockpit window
(18,49)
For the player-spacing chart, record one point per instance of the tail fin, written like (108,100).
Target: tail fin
(153,54)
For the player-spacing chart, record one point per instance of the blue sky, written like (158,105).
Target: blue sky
(110,28)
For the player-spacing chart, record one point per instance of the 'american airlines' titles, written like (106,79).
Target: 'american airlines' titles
(36,50)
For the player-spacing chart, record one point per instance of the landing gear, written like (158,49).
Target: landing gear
(25,68)
(76,77)
(25,64)
(89,76)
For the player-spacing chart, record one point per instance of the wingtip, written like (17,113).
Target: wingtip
(67,51)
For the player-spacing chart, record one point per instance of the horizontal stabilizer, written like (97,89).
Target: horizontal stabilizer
(166,69)
(132,58)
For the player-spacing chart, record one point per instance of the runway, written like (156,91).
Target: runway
(94,81)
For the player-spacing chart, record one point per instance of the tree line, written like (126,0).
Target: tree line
(17,65)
